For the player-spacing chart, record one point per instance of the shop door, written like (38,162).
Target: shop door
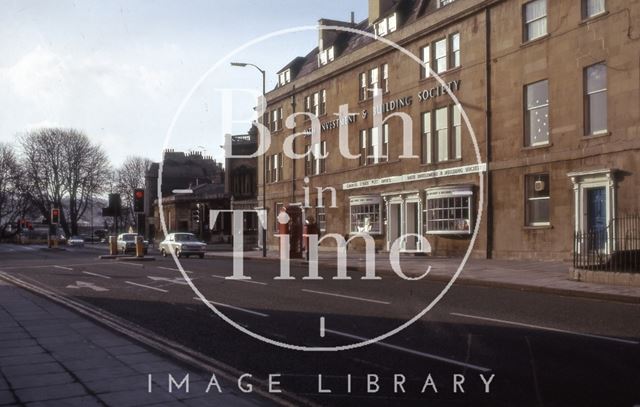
(412,225)
(394,219)
(597,217)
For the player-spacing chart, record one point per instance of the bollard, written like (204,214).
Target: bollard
(139,247)
(113,245)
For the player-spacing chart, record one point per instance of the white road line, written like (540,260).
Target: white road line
(248,311)
(546,328)
(126,263)
(95,274)
(346,296)
(147,286)
(63,268)
(242,281)
(174,269)
(322,327)
(413,352)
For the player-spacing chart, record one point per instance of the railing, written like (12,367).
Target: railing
(614,248)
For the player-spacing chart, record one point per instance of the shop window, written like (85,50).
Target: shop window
(595,99)
(592,8)
(537,200)
(449,210)
(366,215)
(535,19)
(537,114)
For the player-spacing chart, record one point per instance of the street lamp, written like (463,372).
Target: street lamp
(264,162)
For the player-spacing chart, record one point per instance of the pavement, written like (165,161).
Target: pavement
(530,275)
(50,356)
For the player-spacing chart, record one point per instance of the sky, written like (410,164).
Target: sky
(120,70)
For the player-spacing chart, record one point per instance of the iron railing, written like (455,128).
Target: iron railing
(614,248)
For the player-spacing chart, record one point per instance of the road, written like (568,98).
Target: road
(531,348)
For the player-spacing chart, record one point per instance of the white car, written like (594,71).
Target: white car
(183,245)
(77,241)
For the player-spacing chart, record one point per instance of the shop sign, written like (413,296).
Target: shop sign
(447,172)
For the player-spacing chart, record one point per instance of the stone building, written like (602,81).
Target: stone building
(551,93)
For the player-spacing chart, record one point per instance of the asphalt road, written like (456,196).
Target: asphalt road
(540,349)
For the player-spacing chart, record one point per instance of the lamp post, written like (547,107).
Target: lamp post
(264,162)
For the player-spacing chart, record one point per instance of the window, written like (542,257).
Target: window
(385,77)
(362,141)
(425,53)
(386,25)
(276,119)
(363,86)
(326,55)
(427,143)
(456,132)
(321,218)
(454,46)
(373,79)
(442,3)
(595,99)
(592,8)
(315,104)
(267,175)
(385,142)
(307,104)
(365,215)
(284,77)
(442,134)
(314,161)
(274,168)
(535,19)
(323,102)
(537,199)
(440,62)
(537,113)
(449,210)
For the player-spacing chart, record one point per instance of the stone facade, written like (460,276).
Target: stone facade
(533,195)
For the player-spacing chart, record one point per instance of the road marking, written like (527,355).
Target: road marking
(242,281)
(545,328)
(63,268)
(174,269)
(126,263)
(96,274)
(413,352)
(81,284)
(346,296)
(248,311)
(322,327)
(147,286)
(177,280)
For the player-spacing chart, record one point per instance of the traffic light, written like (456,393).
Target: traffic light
(138,200)
(55,216)
(195,215)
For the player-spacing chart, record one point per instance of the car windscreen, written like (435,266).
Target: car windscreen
(129,238)
(186,238)
(76,238)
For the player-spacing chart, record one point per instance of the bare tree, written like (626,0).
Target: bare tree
(130,176)
(13,202)
(63,164)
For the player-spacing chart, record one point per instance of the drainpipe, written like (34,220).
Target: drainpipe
(487,128)
(293,162)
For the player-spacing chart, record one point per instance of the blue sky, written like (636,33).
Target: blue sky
(119,69)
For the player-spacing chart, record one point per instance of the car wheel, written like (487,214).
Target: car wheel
(163,253)
(179,254)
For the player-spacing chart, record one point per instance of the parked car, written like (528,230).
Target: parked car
(127,243)
(77,241)
(183,245)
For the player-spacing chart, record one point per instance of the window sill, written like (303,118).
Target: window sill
(537,147)
(534,41)
(441,74)
(593,18)
(598,135)
(538,227)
